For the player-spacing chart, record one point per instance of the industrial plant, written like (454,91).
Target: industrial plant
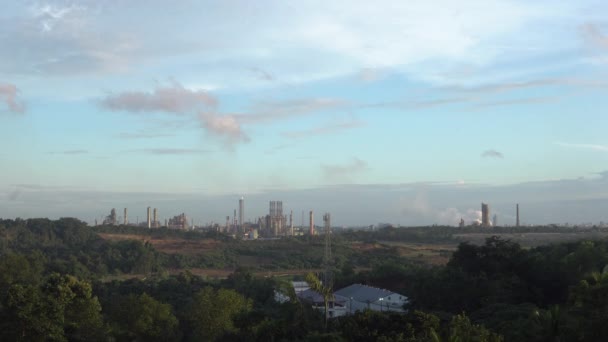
(276,224)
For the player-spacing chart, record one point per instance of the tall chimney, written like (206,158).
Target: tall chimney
(241,214)
(155,222)
(291,222)
(149,218)
(312,223)
(517,215)
(125,219)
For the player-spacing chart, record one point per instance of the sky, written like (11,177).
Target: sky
(405,112)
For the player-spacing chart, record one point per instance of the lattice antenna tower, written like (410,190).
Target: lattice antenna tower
(327,258)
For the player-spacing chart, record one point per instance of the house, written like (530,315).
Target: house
(299,286)
(337,307)
(359,297)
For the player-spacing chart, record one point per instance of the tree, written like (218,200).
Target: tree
(143,318)
(62,308)
(462,330)
(324,290)
(212,312)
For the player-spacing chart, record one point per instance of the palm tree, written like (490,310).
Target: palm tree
(324,290)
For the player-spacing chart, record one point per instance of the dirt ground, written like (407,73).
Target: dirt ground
(169,245)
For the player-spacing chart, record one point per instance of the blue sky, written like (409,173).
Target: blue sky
(384,111)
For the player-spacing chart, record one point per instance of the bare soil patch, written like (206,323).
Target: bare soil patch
(169,245)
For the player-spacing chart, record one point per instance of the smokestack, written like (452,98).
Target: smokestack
(155,218)
(312,223)
(291,222)
(517,215)
(241,213)
(485,215)
(149,218)
(126,220)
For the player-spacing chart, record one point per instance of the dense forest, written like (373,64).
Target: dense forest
(53,286)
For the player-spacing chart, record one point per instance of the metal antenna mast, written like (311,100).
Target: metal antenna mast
(327,259)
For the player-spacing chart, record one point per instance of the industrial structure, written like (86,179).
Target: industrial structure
(327,258)
(275,221)
(125,220)
(241,226)
(178,222)
(485,215)
(311,228)
(517,215)
(155,222)
(111,219)
(291,233)
(149,218)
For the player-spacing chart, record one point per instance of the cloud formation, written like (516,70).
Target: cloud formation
(262,74)
(142,135)
(593,34)
(227,127)
(172,151)
(8,95)
(324,129)
(71,152)
(594,147)
(170,99)
(492,154)
(278,110)
(342,172)
(176,99)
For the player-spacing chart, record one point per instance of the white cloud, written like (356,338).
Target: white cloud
(171,99)
(298,41)
(329,128)
(226,127)
(594,147)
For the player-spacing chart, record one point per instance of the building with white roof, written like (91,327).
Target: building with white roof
(359,297)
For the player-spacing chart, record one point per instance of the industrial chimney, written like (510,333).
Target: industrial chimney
(149,218)
(312,223)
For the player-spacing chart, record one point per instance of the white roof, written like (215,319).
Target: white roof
(364,293)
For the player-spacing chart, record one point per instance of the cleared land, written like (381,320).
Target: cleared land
(169,245)
(275,257)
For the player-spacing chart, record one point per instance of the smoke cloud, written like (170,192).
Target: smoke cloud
(452,216)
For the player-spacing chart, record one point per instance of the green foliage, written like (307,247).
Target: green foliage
(549,293)
(461,330)
(143,318)
(62,308)
(212,312)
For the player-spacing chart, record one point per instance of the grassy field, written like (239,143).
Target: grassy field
(297,257)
